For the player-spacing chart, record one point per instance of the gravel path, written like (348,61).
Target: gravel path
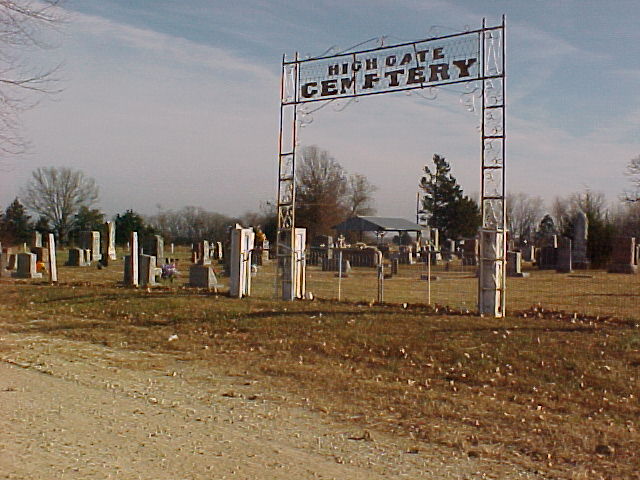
(72,410)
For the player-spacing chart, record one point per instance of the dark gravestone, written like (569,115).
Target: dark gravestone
(154,246)
(579,258)
(26,266)
(146,270)
(564,256)
(202,276)
(547,258)
(624,256)
(333,265)
(514,265)
(76,258)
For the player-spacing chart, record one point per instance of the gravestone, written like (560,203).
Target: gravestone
(547,258)
(146,270)
(528,253)
(564,264)
(52,265)
(76,258)
(110,239)
(26,266)
(201,253)
(90,240)
(219,251)
(333,264)
(131,271)
(451,246)
(624,256)
(36,239)
(360,257)
(405,255)
(470,251)
(203,276)
(240,261)
(579,259)
(514,265)
(42,254)
(12,260)
(154,245)
(4,262)
(394,266)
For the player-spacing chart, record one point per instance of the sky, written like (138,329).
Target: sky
(168,104)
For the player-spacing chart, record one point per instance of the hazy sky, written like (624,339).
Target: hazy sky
(176,103)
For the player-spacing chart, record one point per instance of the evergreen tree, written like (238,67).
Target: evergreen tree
(450,211)
(42,225)
(129,222)
(546,229)
(88,219)
(15,226)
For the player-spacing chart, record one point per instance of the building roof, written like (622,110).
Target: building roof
(377,224)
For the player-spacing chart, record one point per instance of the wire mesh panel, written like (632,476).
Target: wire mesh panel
(472,56)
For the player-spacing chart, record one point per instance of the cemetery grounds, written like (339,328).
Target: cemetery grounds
(103,381)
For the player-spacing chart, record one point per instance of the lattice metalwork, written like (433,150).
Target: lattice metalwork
(475,59)
(493,238)
(287,142)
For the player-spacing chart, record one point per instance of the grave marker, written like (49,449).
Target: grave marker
(26,266)
(36,239)
(76,258)
(579,257)
(564,264)
(52,265)
(240,261)
(624,257)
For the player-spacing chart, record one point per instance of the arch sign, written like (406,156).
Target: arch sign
(475,56)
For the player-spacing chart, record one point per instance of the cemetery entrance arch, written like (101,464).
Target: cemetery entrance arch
(475,56)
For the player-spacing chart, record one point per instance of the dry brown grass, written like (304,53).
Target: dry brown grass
(547,393)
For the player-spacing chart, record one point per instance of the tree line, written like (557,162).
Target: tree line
(63,200)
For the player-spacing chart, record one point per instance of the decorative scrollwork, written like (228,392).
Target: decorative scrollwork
(493,52)
(432,93)
(470,97)
(289,90)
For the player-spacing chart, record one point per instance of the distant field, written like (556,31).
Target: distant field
(554,393)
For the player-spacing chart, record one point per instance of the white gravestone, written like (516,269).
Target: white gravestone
(297,287)
(53,266)
(133,279)
(241,246)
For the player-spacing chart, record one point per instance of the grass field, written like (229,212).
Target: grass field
(554,392)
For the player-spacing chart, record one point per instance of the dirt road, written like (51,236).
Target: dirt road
(74,410)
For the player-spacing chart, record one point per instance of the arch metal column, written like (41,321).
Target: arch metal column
(493,234)
(287,142)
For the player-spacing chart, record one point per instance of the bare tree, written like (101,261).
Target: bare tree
(190,224)
(320,191)
(359,196)
(57,194)
(523,215)
(633,172)
(627,219)
(561,212)
(22,24)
